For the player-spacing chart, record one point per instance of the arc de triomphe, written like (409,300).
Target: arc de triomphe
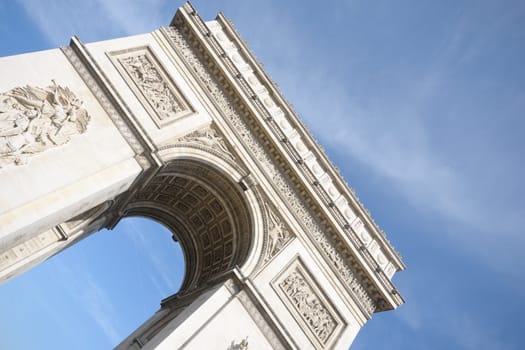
(182,125)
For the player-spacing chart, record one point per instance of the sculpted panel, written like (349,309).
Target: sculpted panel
(33,119)
(308,303)
(152,85)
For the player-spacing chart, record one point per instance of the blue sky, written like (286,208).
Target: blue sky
(420,103)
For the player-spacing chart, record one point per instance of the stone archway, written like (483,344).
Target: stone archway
(207,213)
(186,128)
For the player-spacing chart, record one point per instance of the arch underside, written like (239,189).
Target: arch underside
(207,214)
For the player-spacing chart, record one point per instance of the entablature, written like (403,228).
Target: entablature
(291,157)
(301,144)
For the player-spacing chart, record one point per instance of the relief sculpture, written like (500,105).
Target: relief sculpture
(208,137)
(33,119)
(151,83)
(157,92)
(278,234)
(242,345)
(309,306)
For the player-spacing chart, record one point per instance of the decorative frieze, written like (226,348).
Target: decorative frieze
(235,117)
(279,120)
(308,304)
(33,119)
(157,92)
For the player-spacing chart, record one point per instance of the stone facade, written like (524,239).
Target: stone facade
(277,245)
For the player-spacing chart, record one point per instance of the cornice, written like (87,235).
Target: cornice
(218,62)
(325,186)
(313,145)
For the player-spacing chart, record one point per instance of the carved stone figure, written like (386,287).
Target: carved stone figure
(243,345)
(208,137)
(278,235)
(33,119)
(309,306)
(153,86)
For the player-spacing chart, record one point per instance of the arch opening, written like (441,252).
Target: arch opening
(202,202)
(96,292)
(206,212)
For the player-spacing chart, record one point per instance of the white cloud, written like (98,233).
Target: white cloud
(471,335)
(93,19)
(143,244)
(408,132)
(84,289)
(100,307)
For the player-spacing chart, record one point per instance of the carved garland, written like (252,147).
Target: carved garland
(236,119)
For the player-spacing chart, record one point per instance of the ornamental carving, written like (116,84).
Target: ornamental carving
(26,249)
(223,99)
(152,86)
(208,137)
(242,345)
(278,234)
(306,302)
(33,119)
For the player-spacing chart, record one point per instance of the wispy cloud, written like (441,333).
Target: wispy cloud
(143,243)
(136,16)
(106,19)
(425,136)
(472,336)
(459,329)
(85,290)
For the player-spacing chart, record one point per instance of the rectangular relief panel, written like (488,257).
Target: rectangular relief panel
(152,86)
(308,304)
